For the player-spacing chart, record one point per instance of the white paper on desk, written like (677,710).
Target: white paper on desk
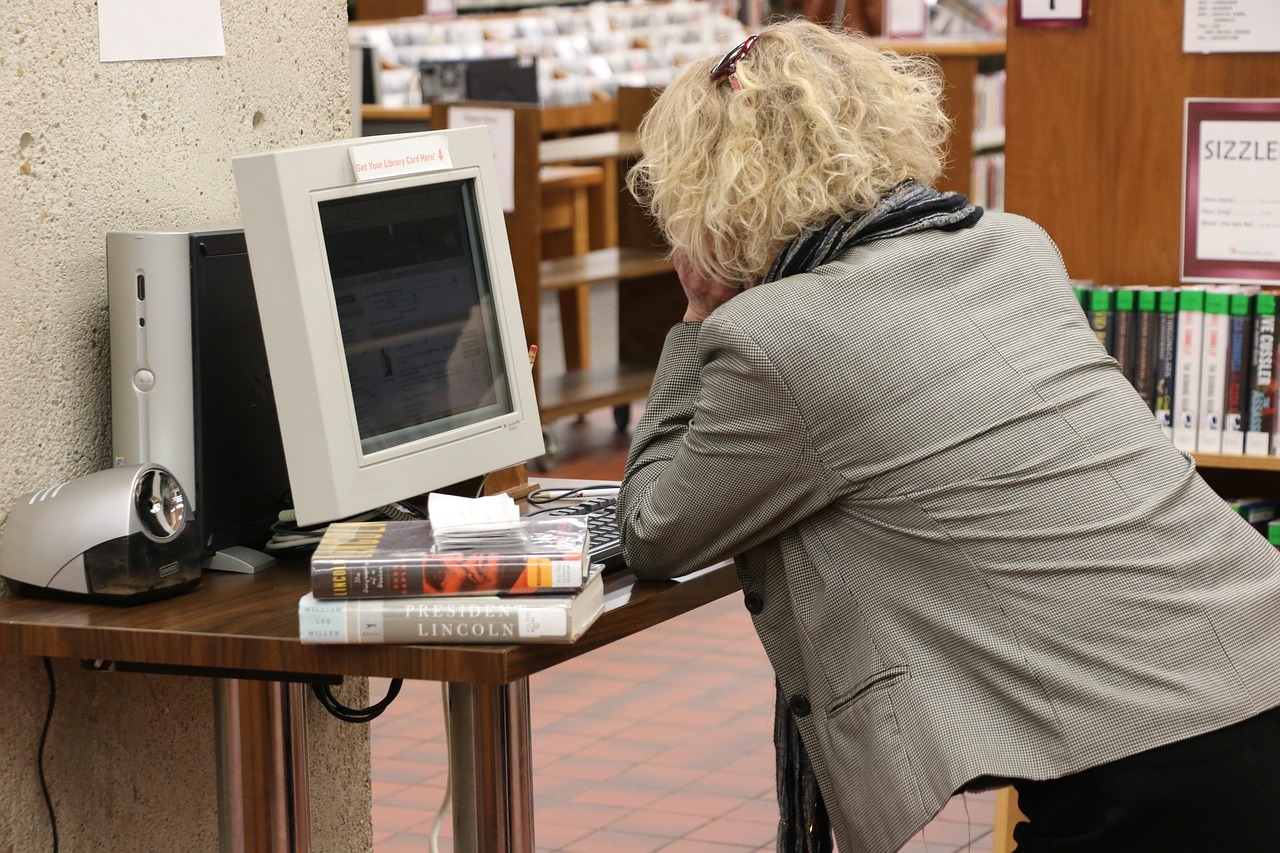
(502,139)
(159,29)
(451,513)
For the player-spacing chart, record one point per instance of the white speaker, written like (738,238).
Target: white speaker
(122,535)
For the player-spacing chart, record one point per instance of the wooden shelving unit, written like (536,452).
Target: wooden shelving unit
(623,249)
(960,62)
(599,115)
(1093,151)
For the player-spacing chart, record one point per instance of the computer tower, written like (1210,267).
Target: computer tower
(190,387)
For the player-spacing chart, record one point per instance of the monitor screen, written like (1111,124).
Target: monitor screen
(390,316)
(416,309)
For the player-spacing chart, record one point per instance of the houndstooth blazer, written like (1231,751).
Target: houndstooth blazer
(968,549)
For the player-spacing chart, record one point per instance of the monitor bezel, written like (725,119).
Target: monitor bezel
(331,476)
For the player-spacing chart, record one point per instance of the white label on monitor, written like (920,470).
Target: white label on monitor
(401,157)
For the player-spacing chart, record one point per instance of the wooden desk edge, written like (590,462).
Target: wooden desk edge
(210,628)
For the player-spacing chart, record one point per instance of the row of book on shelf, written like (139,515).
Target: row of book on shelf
(530,581)
(1200,357)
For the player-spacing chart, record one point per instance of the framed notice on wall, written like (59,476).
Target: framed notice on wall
(1231,191)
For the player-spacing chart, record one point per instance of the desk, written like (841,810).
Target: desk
(241,631)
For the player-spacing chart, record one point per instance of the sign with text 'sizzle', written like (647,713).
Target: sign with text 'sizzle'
(1231,191)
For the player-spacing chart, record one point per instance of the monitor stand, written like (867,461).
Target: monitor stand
(239,558)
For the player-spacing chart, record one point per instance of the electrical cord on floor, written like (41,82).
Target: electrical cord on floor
(364,715)
(433,840)
(324,694)
(44,738)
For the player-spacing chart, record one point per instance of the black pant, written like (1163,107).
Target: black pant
(1215,793)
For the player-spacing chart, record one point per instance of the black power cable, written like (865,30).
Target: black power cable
(44,738)
(324,694)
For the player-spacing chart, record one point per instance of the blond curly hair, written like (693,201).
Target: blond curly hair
(822,124)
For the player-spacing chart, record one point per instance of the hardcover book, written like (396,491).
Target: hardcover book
(1235,405)
(1262,379)
(454,619)
(1144,346)
(1166,348)
(392,559)
(1186,362)
(1124,322)
(1099,307)
(1214,351)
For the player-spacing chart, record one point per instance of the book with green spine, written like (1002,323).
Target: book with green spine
(1124,325)
(1186,361)
(1099,305)
(1144,345)
(1235,401)
(1214,347)
(1166,349)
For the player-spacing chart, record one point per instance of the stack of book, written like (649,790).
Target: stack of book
(1200,357)
(393,582)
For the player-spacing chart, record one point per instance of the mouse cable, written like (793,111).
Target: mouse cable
(324,694)
(549,495)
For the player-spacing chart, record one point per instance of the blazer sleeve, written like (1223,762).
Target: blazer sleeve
(721,459)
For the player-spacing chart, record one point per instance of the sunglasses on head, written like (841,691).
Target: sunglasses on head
(725,67)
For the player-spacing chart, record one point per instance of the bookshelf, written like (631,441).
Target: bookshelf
(583,54)
(622,248)
(968,68)
(1094,154)
(1094,147)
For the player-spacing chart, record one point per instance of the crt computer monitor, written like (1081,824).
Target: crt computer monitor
(390,316)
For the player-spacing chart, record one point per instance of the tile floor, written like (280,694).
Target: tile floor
(660,743)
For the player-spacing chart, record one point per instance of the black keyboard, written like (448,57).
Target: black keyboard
(602,521)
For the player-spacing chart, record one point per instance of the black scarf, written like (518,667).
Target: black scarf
(907,208)
(803,825)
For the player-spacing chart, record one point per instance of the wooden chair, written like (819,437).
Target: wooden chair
(567,214)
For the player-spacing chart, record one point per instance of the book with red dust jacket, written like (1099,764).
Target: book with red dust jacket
(391,559)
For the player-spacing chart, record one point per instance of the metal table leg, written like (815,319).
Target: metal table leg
(263,796)
(490,763)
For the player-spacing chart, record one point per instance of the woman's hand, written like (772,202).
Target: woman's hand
(704,295)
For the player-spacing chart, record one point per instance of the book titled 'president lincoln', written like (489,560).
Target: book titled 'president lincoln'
(391,559)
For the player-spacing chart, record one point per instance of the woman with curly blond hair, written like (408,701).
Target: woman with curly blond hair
(972,555)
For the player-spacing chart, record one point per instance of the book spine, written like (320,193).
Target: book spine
(1144,347)
(1235,403)
(1166,348)
(1125,323)
(1213,371)
(1099,303)
(444,574)
(1186,361)
(1262,379)
(426,621)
